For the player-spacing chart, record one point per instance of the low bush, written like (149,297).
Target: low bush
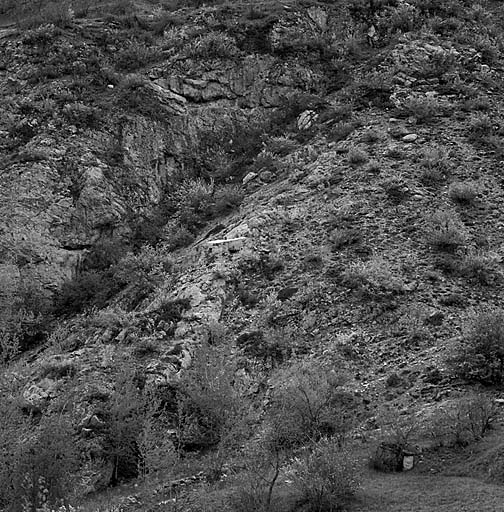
(372,278)
(213,45)
(481,127)
(445,232)
(326,477)
(211,408)
(396,188)
(371,136)
(91,288)
(480,356)
(38,470)
(340,131)
(81,115)
(309,402)
(136,56)
(481,266)
(463,192)
(270,348)
(342,237)
(464,421)
(357,156)
(435,166)
(226,198)
(422,109)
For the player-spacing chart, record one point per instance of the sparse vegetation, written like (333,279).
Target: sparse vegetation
(357,156)
(464,421)
(481,266)
(445,232)
(463,193)
(250,376)
(422,109)
(372,278)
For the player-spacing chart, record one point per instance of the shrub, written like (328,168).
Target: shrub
(92,288)
(357,156)
(43,468)
(481,128)
(480,356)
(480,265)
(422,109)
(435,166)
(464,421)
(344,236)
(341,131)
(371,136)
(398,434)
(157,452)
(226,198)
(264,459)
(308,403)
(122,418)
(268,347)
(210,405)
(280,146)
(81,115)
(144,269)
(480,103)
(448,8)
(372,278)
(58,369)
(178,236)
(445,232)
(135,56)
(463,192)
(396,188)
(374,89)
(326,477)
(195,202)
(213,45)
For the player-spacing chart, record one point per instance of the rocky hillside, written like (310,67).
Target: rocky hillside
(203,205)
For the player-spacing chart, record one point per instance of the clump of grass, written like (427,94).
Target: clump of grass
(371,136)
(340,131)
(341,237)
(396,188)
(480,265)
(357,156)
(373,277)
(480,128)
(479,104)
(136,56)
(435,166)
(445,232)
(213,45)
(422,109)
(463,192)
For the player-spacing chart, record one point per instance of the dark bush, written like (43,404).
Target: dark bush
(480,356)
(43,469)
(136,56)
(91,288)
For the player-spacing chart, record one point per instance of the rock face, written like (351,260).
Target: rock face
(90,170)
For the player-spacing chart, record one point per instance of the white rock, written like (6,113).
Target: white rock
(306,119)
(411,137)
(249,177)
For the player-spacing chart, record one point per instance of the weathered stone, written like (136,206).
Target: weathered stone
(306,119)
(412,137)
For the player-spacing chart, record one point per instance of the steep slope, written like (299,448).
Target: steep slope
(369,231)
